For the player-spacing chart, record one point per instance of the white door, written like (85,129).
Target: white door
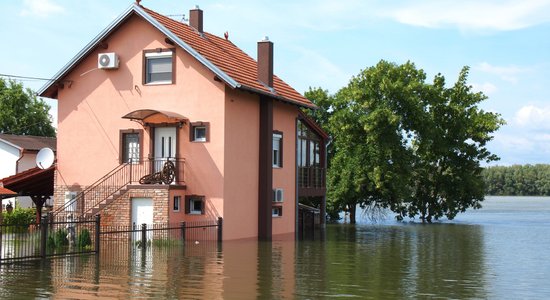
(165,145)
(142,213)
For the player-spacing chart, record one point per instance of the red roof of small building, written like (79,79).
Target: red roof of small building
(31,182)
(6,192)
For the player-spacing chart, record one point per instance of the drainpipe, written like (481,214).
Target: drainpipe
(324,206)
(21,152)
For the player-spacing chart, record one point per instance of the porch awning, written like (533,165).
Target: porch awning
(154,116)
(33,182)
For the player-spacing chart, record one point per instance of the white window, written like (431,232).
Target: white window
(199,133)
(158,67)
(276,211)
(177,201)
(277,150)
(130,147)
(70,201)
(194,205)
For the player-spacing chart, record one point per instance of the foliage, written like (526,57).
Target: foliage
(22,113)
(161,243)
(19,218)
(58,239)
(84,240)
(408,145)
(517,180)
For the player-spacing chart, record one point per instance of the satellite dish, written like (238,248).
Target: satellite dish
(45,158)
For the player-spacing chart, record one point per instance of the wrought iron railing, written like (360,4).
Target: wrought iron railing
(150,171)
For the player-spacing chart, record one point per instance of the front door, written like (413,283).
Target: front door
(142,213)
(165,146)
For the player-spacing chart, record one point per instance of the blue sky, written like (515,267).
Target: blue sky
(325,42)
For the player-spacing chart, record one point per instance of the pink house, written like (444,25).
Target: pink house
(160,121)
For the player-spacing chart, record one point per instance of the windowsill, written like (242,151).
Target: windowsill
(159,83)
(198,141)
(277,167)
(276,216)
(195,213)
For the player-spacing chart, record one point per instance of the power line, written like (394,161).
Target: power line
(26,77)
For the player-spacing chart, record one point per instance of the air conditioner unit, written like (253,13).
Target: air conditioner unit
(107,60)
(278,195)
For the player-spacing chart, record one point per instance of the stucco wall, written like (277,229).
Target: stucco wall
(8,159)
(284,120)
(241,165)
(90,112)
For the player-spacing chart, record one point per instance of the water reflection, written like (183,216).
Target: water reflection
(366,261)
(394,262)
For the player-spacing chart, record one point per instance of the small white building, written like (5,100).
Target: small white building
(18,154)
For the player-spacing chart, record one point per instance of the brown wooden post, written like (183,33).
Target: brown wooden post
(220,229)
(182,226)
(97,234)
(143,235)
(265,176)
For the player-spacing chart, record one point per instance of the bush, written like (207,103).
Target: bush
(19,218)
(58,239)
(84,240)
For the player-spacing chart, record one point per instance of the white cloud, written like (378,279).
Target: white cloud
(318,69)
(41,8)
(468,15)
(487,88)
(509,73)
(534,117)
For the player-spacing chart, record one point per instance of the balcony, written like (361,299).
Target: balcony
(157,171)
(311,177)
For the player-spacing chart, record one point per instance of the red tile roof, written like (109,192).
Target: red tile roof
(230,59)
(31,182)
(6,192)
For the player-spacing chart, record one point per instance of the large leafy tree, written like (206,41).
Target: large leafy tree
(449,150)
(408,145)
(22,113)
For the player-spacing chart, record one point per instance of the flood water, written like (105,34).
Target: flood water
(498,252)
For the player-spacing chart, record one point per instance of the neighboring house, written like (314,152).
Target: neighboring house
(160,121)
(18,154)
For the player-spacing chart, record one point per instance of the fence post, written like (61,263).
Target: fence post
(44,236)
(1,227)
(97,233)
(182,226)
(143,235)
(220,229)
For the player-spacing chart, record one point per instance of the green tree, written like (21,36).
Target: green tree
(22,113)
(412,146)
(449,149)
(371,166)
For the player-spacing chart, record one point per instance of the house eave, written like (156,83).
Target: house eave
(45,91)
(276,97)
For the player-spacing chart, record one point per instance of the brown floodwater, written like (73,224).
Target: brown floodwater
(499,252)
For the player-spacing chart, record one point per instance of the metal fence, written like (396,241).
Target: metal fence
(46,239)
(64,236)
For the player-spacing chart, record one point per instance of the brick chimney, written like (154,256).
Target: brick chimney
(265,61)
(195,18)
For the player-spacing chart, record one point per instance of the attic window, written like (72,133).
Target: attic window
(158,66)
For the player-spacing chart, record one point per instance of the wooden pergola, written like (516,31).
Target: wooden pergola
(36,183)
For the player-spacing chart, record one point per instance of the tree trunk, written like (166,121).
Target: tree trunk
(352,209)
